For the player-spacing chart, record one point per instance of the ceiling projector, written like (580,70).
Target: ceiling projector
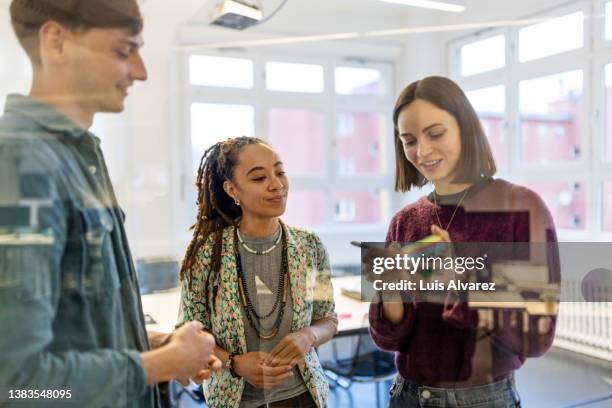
(236,14)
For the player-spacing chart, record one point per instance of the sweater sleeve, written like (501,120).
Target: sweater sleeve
(387,335)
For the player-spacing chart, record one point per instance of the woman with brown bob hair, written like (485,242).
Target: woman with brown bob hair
(476,159)
(448,354)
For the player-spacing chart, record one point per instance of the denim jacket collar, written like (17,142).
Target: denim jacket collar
(44,115)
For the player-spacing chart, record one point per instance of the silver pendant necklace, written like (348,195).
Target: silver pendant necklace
(255,252)
(454,212)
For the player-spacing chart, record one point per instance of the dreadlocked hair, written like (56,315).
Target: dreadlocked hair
(215,208)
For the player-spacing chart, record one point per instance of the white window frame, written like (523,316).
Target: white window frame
(327,103)
(591,170)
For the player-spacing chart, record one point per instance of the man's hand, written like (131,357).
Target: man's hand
(250,366)
(214,364)
(189,354)
(194,352)
(157,339)
(291,349)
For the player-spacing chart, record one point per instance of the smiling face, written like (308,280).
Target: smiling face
(431,140)
(101,65)
(259,183)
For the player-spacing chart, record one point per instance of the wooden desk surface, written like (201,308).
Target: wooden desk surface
(162,307)
(352,314)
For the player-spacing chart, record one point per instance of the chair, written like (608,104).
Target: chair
(365,364)
(157,274)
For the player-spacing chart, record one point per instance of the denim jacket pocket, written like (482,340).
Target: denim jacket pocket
(98,267)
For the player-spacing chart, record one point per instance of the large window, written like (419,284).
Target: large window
(292,77)
(534,105)
(359,81)
(566,202)
(553,36)
(608,113)
(327,121)
(471,55)
(550,110)
(213,122)
(607,204)
(298,135)
(490,104)
(360,138)
(222,72)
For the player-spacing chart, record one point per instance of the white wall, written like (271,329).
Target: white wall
(151,146)
(15,71)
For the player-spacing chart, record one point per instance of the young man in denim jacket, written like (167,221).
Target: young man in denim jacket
(70,308)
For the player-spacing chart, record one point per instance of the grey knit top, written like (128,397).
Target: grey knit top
(262,274)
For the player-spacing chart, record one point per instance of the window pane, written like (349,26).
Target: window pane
(297,136)
(607,206)
(360,206)
(609,20)
(550,109)
(472,61)
(211,123)
(358,81)
(305,208)
(490,104)
(551,37)
(608,111)
(566,201)
(290,77)
(360,138)
(220,71)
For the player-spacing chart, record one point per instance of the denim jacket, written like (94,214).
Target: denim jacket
(70,308)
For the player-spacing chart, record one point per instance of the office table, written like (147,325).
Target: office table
(161,308)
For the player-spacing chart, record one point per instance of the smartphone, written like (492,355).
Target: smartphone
(431,243)
(362,245)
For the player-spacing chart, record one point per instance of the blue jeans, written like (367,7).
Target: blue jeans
(408,394)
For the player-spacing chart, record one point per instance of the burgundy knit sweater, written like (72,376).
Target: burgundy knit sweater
(434,350)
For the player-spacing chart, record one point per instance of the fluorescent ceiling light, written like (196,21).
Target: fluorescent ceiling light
(431,4)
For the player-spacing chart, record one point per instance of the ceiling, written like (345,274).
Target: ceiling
(316,17)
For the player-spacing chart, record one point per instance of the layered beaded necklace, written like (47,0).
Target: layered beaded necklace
(252,316)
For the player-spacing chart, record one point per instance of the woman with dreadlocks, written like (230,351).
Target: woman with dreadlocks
(262,288)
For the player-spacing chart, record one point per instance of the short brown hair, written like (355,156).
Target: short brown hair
(476,159)
(27,16)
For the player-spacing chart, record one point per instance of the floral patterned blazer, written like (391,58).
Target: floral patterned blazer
(311,290)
